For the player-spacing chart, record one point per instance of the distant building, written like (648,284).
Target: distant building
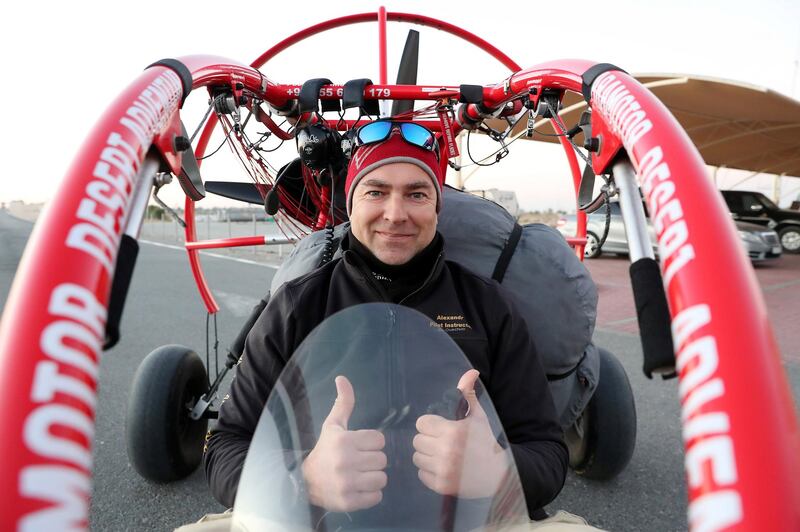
(25,211)
(505,198)
(243,215)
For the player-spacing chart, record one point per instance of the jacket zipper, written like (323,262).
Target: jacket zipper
(368,277)
(427,280)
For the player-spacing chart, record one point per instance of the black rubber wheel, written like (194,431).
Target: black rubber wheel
(609,423)
(592,249)
(164,443)
(790,239)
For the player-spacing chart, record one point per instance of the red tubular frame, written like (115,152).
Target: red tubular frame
(236,242)
(580,241)
(281,93)
(382,48)
(734,394)
(380,91)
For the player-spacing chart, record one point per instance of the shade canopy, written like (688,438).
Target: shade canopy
(733,124)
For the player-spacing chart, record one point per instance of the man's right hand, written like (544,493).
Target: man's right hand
(344,471)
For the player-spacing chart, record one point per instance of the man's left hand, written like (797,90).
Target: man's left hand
(460,458)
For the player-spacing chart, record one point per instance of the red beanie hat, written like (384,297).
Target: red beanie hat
(395,149)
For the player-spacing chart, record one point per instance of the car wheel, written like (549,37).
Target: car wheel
(592,248)
(164,443)
(790,239)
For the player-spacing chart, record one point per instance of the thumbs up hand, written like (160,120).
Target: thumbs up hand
(462,457)
(344,471)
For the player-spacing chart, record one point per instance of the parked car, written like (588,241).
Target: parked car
(755,207)
(760,243)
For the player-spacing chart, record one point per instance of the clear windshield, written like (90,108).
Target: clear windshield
(402,367)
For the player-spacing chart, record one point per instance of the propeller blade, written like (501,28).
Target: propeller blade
(247,192)
(407,73)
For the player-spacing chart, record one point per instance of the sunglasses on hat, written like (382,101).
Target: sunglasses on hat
(414,134)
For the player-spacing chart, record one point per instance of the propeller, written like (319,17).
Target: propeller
(247,192)
(407,73)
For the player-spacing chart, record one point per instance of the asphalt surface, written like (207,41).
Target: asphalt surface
(164,307)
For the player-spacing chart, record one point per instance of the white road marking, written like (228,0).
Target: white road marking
(209,254)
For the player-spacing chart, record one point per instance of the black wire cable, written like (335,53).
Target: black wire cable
(549,134)
(276,148)
(247,144)
(216,346)
(512,125)
(247,118)
(341,119)
(471,158)
(256,146)
(496,136)
(264,137)
(562,127)
(218,147)
(203,121)
(208,351)
(495,153)
(302,192)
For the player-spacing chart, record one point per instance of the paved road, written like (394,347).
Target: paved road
(164,307)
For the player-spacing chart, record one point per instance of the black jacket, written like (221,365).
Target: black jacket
(497,343)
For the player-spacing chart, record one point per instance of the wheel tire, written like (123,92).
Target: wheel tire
(790,239)
(592,249)
(609,424)
(164,443)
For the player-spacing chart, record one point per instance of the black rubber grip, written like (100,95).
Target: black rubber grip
(353,93)
(237,347)
(126,260)
(470,94)
(654,321)
(592,74)
(309,94)
(353,96)
(183,73)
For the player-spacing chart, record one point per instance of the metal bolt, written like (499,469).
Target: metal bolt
(592,144)
(181,143)
(162,178)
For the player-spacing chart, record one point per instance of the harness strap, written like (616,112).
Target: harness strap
(508,252)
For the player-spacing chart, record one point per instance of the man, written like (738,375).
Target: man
(394,254)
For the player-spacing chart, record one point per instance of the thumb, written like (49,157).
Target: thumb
(345,402)
(467,386)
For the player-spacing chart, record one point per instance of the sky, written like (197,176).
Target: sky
(64,62)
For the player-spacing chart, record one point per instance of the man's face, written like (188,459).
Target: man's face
(394,212)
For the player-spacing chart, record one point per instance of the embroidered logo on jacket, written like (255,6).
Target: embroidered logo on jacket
(451,323)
